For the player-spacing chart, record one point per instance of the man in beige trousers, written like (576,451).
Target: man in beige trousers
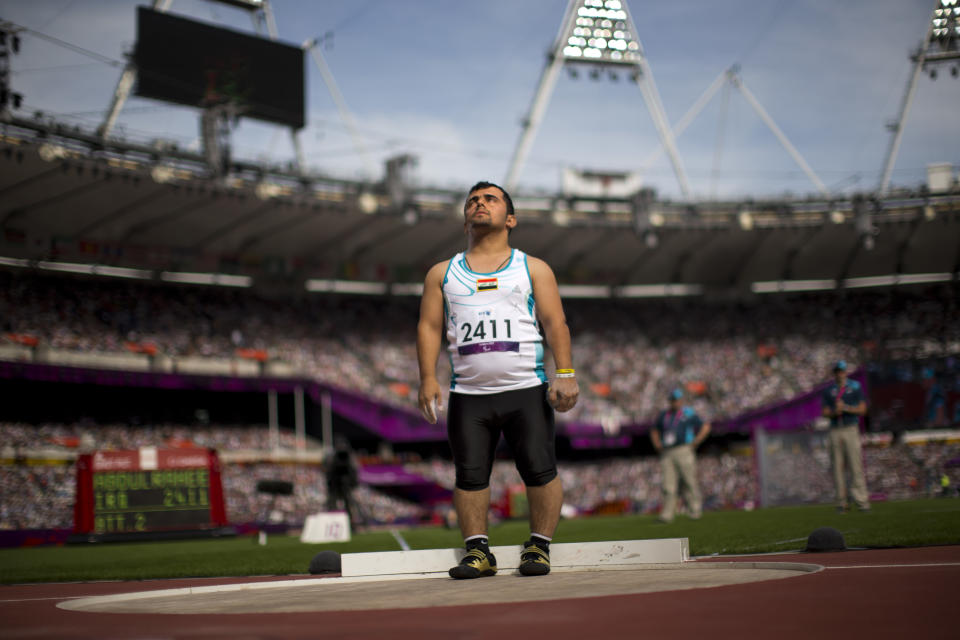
(843,404)
(676,435)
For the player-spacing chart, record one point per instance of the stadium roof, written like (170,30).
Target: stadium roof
(66,195)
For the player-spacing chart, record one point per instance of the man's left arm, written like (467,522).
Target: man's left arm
(860,408)
(701,434)
(563,391)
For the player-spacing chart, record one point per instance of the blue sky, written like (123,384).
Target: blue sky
(449,82)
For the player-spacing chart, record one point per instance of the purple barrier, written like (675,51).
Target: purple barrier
(396,479)
(392,423)
(401,424)
(616,442)
(33,537)
(119,378)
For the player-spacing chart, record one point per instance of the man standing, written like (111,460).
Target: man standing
(341,472)
(676,434)
(488,301)
(843,403)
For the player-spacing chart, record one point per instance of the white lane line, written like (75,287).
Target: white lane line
(34,599)
(898,566)
(399,538)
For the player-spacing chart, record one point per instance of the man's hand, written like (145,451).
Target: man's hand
(431,403)
(563,394)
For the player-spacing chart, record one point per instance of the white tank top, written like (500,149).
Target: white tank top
(494,342)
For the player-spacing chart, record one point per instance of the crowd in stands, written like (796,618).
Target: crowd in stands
(38,492)
(732,357)
(88,436)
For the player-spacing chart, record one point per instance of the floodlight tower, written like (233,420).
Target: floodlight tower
(940,47)
(598,33)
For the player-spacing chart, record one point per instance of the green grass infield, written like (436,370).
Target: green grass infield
(889,524)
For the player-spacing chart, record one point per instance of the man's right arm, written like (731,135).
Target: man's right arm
(829,408)
(655,436)
(429,340)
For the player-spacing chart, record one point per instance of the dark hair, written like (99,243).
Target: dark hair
(485,185)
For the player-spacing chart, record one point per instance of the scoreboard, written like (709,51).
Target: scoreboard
(148,489)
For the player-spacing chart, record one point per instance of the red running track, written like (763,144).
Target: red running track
(890,593)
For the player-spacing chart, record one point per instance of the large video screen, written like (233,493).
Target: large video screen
(199,65)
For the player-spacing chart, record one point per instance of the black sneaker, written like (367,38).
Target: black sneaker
(476,564)
(534,561)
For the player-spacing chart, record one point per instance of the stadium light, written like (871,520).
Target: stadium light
(787,286)
(14,262)
(584,291)
(221,279)
(345,286)
(51,152)
(267,190)
(94,269)
(367,202)
(122,272)
(66,267)
(896,279)
(657,290)
(162,174)
(601,33)
(406,289)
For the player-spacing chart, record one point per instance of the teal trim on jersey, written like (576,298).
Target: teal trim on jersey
(531,305)
(446,320)
(539,368)
(446,273)
(453,372)
(446,276)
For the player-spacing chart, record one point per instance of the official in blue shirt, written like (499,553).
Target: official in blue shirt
(675,435)
(843,403)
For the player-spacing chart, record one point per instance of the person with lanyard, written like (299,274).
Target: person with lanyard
(675,435)
(491,302)
(843,404)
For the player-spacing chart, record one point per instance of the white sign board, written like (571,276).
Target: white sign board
(331,526)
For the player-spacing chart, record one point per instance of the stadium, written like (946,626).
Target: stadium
(217,220)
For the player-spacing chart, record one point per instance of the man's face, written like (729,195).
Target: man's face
(674,404)
(487,208)
(840,376)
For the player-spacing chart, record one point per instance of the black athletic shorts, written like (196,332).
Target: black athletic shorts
(524,416)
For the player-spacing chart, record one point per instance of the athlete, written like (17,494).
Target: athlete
(843,403)
(491,302)
(676,435)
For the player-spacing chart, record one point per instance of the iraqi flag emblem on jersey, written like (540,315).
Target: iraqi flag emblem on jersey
(486,284)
